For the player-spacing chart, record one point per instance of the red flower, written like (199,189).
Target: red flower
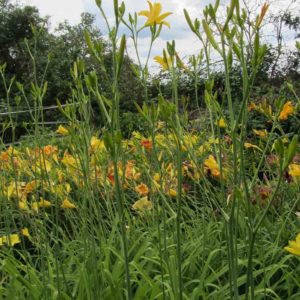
(147,144)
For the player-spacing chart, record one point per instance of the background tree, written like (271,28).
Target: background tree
(24,33)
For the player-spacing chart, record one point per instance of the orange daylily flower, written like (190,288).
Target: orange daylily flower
(252,106)
(142,189)
(147,144)
(287,110)
(49,150)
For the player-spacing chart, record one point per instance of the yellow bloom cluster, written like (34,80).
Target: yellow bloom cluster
(13,239)
(50,177)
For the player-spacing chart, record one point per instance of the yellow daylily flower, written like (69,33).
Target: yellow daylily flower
(42,203)
(261,133)
(142,204)
(156,177)
(221,123)
(25,232)
(23,205)
(96,144)
(42,166)
(249,145)
(213,166)
(14,239)
(172,193)
(16,189)
(294,170)
(62,130)
(287,110)
(164,63)
(294,246)
(154,16)
(68,160)
(31,186)
(61,190)
(11,240)
(68,204)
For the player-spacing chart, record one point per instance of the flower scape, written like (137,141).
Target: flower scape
(187,208)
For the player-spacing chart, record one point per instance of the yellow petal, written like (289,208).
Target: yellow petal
(25,232)
(261,133)
(292,250)
(62,130)
(166,23)
(249,145)
(211,163)
(221,123)
(67,204)
(144,13)
(142,204)
(298,239)
(44,203)
(163,16)
(23,205)
(172,193)
(294,170)
(156,10)
(150,5)
(14,239)
(287,110)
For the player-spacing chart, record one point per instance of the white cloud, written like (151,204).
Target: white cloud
(58,10)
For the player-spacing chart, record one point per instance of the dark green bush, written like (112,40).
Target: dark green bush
(130,122)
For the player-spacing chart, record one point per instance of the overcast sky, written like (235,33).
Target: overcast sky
(186,43)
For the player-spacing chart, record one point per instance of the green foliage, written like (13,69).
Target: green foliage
(172,212)
(130,122)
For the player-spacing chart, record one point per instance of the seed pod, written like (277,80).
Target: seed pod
(230,13)
(210,35)
(237,51)
(121,54)
(188,19)
(122,9)
(291,151)
(116,9)
(279,148)
(88,41)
